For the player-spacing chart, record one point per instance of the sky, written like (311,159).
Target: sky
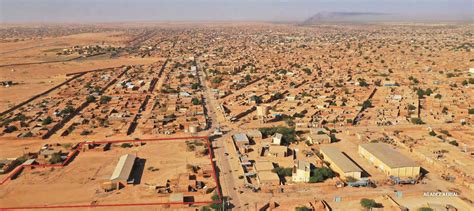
(12,11)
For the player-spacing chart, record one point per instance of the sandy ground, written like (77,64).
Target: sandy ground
(36,78)
(85,174)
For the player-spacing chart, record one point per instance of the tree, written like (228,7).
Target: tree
(366,104)
(417,121)
(126,145)
(425,209)
(47,121)
(454,143)
(68,110)
(216,80)
(369,203)
(194,86)
(289,134)
(411,107)
(307,71)
(10,129)
(283,172)
(432,133)
(428,92)
(304,208)
(320,174)
(85,132)
(362,83)
(55,158)
(471,111)
(218,206)
(105,99)
(90,98)
(248,77)
(438,96)
(195,101)
(420,93)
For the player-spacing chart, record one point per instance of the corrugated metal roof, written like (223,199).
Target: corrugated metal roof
(240,137)
(389,156)
(124,167)
(339,159)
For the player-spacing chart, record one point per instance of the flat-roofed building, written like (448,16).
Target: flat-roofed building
(389,160)
(276,139)
(268,178)
(264,166)
(241,139)
(301,171)
(278,151)
(318,138)
(123,169)
(340,163)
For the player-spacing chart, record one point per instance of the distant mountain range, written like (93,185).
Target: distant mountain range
(322,17)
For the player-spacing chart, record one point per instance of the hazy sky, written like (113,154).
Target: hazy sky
(202,10)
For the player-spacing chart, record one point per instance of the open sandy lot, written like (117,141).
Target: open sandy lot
(85,174)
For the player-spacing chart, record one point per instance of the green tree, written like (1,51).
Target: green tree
(417,121)
(10,129)
(55,158)
(283,172)
(194,86)
(195,101)
(471,111)
(366,104)
(307,71)
(321,174)
(68,110)
(369,203)
(248,77)
(216,80)
(90,98)
(104,99)
(304,208)
(425,209)
(47,121)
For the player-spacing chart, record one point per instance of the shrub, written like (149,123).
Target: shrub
(47,121)
(417,121)
(90,98)
(283,172)
(304,208)
(454,143)
(321,174)
(432,133)
(85,132)
(369,203)
(126,145)
(105,99)
(55,158)
(366,104)
(10,129)
(425,209)
(195,101)
(288,133)
(471,111)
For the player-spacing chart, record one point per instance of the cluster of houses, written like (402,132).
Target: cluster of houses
(178,106)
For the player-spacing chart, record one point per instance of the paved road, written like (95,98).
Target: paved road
(227,178)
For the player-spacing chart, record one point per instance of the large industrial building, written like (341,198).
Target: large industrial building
(123,169)
(389,160)
(340,163)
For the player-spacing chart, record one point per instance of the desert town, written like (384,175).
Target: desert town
(238,116)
